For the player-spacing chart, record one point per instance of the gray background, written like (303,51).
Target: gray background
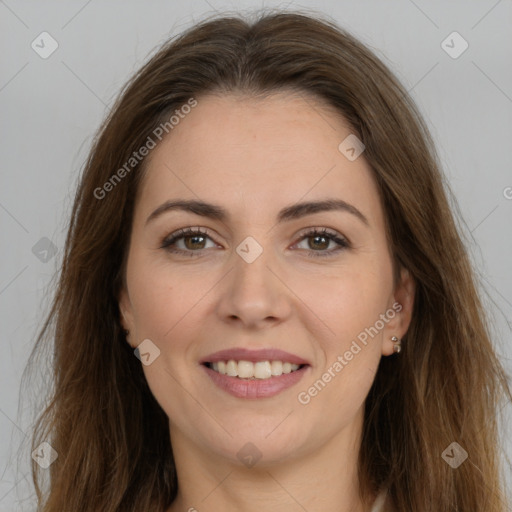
(50,109)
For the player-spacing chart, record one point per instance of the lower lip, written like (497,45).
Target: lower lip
(255,388)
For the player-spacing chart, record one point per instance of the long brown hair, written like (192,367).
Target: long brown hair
(446,386)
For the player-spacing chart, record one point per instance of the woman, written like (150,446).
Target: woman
(264,299)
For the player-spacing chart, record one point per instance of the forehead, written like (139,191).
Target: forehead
(248,153)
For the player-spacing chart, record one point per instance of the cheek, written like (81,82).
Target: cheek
(349,302)
(155,310)
(167,306)
(352,354)
(159,298)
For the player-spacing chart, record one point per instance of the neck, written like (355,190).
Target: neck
(324,479)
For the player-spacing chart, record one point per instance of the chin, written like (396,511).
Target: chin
(253,444)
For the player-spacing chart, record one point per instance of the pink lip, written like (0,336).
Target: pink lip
(243,354)
(257,388)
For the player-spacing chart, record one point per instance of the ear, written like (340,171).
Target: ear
(403,304)
(126,316)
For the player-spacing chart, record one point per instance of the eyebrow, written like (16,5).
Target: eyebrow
(288,213)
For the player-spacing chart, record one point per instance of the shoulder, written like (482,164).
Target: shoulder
(382,503)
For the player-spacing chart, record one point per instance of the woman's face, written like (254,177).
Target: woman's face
(257,280)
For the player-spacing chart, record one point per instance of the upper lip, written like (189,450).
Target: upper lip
(244,354)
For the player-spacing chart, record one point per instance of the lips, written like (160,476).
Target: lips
(286,370)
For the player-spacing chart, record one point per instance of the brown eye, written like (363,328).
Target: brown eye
(194,241)
(186,241)
(318,242)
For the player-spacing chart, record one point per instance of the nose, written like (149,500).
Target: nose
(254,294)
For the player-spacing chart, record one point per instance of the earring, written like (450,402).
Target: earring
(397,347)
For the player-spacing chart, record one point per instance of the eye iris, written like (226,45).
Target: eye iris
(194,237)
(324,245)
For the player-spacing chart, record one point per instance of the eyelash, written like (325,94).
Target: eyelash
(343,243)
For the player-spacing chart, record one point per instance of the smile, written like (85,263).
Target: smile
(250,374)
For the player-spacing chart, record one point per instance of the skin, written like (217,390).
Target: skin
(254,157)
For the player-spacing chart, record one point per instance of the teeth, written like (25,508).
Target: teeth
(232,368)
(245,369)
(249,370)
(262,370)
(221,367)
(276,367)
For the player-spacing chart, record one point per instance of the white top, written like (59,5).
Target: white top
(379,502)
